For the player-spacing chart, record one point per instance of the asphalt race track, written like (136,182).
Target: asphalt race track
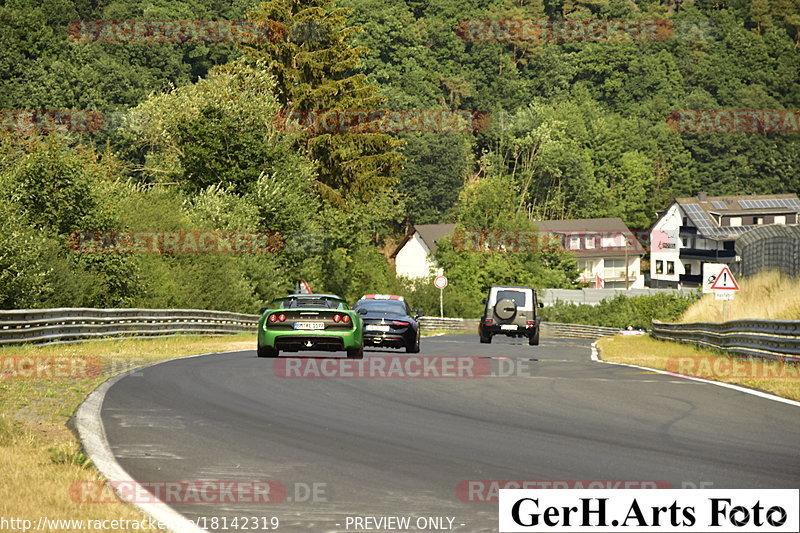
(400,447)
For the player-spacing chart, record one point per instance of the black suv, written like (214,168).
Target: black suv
(510,311)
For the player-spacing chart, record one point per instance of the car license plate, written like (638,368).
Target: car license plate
(309,325)
(511,327)
(375,327)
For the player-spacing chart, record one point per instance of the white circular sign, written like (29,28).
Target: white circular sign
(440,282)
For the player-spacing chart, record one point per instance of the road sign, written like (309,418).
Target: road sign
(725,281)
(440,282)
(710,273)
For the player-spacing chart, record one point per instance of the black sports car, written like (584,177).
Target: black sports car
(389,322)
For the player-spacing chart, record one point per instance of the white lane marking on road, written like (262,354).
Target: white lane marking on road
(739,388)
(144,451)
(229,471)
(92,434)
(595,356)
(149,421)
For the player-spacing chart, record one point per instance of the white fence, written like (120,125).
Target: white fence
(595,296)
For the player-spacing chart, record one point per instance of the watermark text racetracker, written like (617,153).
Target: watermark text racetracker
(175,31)
(50,367)
(488,490)
(639,510)
(382,121)
(564,30)
(215,492)
(729,367)
(534,241)
(734,121)
(175,242)
(51,120)
(406,367)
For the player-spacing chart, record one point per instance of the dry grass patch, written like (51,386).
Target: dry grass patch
(776,377)
(41,457)
(768,295)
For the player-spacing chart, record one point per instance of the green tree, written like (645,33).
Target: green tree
(320,74)
(57,190)
(760,14)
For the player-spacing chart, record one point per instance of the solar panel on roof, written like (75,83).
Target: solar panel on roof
(790,203)
(719,204)
(699,218)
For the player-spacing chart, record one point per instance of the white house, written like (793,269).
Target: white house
(413,257)
(609,255)
(703,229)
(602,246)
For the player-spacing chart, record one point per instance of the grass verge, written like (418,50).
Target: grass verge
(767,295)
(776,377)
(39,392)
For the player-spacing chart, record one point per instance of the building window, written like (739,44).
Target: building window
(614,269)
(688,268)
(780,219)
(575,242)
(659,267)
(758,220)
(591,242)
(617,241)
(670,268)
(735,221)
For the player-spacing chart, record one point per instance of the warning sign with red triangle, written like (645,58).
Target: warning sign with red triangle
(725,281)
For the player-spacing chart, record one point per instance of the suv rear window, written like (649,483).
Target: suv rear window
(517,297)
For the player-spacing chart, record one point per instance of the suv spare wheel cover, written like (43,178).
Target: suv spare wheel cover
(505,309)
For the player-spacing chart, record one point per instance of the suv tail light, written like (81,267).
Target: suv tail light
(488,321)
(530,323)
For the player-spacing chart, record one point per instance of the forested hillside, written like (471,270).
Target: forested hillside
(190,140)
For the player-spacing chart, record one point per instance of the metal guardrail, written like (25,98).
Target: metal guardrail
(549,329)
(79,324)
(776,339)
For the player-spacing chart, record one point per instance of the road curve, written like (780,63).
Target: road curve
(400,447)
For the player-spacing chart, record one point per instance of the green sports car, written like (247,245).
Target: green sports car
(310,322)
